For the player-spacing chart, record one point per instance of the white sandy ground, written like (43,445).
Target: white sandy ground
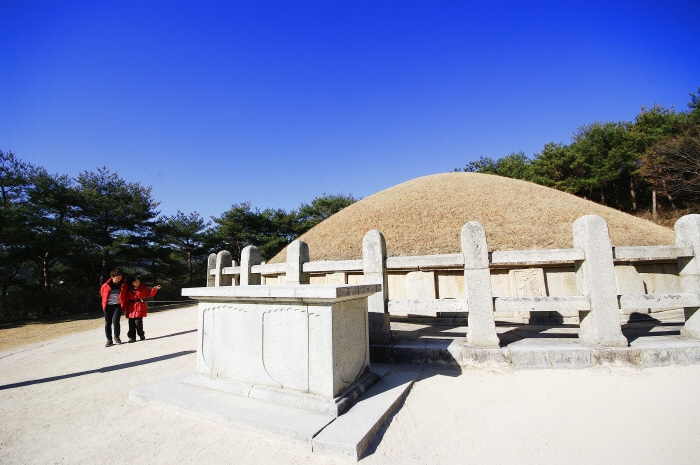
(73,408)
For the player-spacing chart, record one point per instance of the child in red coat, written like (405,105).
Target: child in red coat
(136,308)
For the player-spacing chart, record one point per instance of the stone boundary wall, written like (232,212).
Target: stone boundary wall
(594,284)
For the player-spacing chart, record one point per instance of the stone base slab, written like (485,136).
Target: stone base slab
(335,406)
(539,353)
(349,435)
(346,436)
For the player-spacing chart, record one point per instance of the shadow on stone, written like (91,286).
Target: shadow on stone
(379,435)
(428,330)
(643,324)
(529,331)
(419,351)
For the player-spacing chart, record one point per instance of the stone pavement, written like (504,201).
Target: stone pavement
(536,346)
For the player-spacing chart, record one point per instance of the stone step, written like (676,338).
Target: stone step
(350,434)
(538,353)
(346,436)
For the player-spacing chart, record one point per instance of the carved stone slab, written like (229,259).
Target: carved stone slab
(528,282)
(420,285)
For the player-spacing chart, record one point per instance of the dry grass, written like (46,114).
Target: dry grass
(29,332)
(667,216)
(18,333)
(424,216)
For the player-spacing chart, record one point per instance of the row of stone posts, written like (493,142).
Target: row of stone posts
(595,277)
(249,256)
(374,270)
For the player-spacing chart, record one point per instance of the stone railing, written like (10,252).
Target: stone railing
(592,283)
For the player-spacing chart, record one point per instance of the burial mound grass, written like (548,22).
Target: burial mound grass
(424,216)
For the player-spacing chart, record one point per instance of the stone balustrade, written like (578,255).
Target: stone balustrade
(593,283)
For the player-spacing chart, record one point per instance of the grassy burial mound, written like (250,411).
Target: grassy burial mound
(424,216)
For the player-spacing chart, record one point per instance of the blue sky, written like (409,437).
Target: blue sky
(214,103)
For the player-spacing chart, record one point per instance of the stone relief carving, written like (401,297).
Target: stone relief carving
(285,346)
(336,278)
(528,282)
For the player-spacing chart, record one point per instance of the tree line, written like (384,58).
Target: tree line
(629,165)
(61,236)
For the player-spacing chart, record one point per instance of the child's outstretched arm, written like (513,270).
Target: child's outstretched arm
(154,289)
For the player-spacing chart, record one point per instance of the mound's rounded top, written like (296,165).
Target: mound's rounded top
(425,216)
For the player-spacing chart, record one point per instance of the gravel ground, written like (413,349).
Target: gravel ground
(65,401)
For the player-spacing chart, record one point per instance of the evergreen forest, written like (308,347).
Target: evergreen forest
(649,167)
(60,237)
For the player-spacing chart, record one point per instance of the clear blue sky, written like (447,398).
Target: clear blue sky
(214,103)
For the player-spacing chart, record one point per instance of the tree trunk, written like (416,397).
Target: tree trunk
(46,304)
(668,196)
(4,304)
(189,265)
(104,274)
(654,215)
(670,199)
(602,195)
(633,194)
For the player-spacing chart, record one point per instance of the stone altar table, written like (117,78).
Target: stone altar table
(291,362)
(305,346)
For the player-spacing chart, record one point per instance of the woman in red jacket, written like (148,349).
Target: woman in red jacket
(136,308)
(113,293)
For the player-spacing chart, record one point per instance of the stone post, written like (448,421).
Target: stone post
(374,270)
(688,235)
(595,278)
(250,256)
(297,255)
(481,330)
(211,266)
(223,260)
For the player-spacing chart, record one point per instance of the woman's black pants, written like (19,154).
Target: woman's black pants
(112,315)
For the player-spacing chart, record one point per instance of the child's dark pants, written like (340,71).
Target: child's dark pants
(136,327)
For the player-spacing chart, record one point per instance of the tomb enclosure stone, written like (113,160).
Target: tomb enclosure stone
(374,270)
(477,287)
(303,346)
(561,281)
(336,278)
(528,282)
(223,260)
(297,255)
(595,275)
(420,285)
(450,285)
(688,235)
(629,282)
(211,269)
(397,286)
(250,255)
